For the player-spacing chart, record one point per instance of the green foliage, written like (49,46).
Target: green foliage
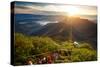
(23,47)
(33,46)
(43,44)
(67,45)
(27,46)
(83,54)
(86,45)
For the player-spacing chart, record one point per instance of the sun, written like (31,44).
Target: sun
(72,10)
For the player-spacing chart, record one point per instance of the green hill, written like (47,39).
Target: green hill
(37,47)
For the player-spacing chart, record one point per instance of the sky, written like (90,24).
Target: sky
(53,9)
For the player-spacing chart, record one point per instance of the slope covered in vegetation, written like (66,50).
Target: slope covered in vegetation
(36,47)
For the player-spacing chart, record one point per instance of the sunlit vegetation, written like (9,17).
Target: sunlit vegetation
(35,47)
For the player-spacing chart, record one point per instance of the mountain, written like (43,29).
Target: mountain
(79,25)
(82,30)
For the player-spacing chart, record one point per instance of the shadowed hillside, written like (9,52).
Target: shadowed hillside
(82,30)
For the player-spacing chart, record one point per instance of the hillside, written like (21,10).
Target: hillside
(35,48)
(82,29)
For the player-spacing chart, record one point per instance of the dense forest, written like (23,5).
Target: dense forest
(37,48)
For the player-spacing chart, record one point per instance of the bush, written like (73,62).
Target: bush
(40,46)
(26,46)
(86,45)
(23,46)
(44,44)
(83,54)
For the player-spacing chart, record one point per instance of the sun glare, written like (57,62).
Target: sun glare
(72,10)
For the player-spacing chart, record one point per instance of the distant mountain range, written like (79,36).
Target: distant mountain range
(82,29)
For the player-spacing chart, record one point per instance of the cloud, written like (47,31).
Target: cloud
(22,7)
(25,9)
(51,8)
(33,9)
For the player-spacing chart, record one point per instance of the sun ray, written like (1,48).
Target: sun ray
(72,10)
